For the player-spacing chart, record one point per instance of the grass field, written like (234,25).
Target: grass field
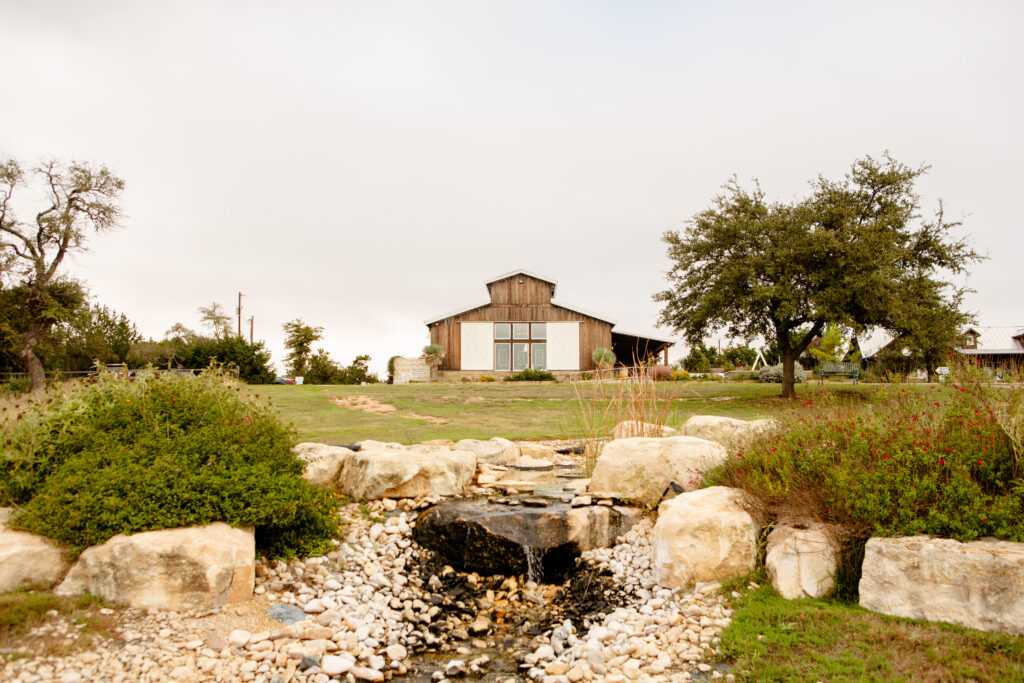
(517,411)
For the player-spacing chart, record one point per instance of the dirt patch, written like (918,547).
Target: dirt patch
(372,405)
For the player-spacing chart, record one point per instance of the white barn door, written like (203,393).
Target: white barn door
(563,346)
(477,346)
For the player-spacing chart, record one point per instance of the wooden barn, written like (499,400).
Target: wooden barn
(522,327)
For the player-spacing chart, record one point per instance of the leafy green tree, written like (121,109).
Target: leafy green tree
(252,360)
(77,199)
(94,333)
(856,252)
(740,355)
(433,354)
(299,338)
(832,347)
(696,360)
(214,317)
(324,370)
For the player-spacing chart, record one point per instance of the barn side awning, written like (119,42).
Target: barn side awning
(631,349)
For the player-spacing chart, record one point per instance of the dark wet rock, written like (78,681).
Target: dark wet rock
(308,662)
(542,543)
(286,614)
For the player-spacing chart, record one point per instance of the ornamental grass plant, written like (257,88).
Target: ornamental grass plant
(940,459)
(113,456)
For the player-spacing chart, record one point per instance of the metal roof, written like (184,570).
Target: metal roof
(522,272)
(624,333)
(467,309)
(999,339)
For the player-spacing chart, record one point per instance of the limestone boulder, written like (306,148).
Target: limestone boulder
(496,451)
(536,450)
(703,535)
(640,469)
(725,429)
(28,561)
(979,584)
(633,428)
(406,471)
(801,560)
(323,462)
(192,568)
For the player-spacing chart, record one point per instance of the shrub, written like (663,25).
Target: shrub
(929,459)
(252,360)
(531,375)
(661,373)
(603,357)
(680,376)
(773,373)
(486,378)
(322,369)
(163,451)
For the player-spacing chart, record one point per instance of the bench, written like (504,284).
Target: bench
(834,369)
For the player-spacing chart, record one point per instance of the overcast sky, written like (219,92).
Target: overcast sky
(367,165)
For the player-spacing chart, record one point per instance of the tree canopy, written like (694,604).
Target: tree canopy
(856,252)
(299,338)
(78,199)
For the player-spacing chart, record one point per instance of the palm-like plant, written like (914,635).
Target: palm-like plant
(433,354)
(603,357)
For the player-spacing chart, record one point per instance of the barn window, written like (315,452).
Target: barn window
(520,357)
(502,330)
(521,330)
(539,354)
(502,359)
(540,331)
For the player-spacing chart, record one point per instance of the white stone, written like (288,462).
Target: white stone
(384,471)
(703,535)
(178,569)
(493,452)
(396,653)
(333,665)
(634,428)
(28,561)
(527,462)
(323,462)
(239,637)
(801,560)
(979,584)
(725,429)
(640,469)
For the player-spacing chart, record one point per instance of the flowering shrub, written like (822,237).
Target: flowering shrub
(773,373)
(159,452)
(921,459)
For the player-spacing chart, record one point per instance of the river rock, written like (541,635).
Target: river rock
(527,462)
(722,429)
(384,471)
(634,428)
(499,539)
(28,561)
(641,469)
(801,560)
(703,535)
(323,462)
(195,568)
(496,451)
(979,584)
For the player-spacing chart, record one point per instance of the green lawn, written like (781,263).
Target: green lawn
(518,411)
(773,639)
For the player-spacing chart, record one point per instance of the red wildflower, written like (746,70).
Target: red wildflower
(942,461)
(981,463)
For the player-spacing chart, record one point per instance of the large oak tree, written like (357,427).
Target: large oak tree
(77,199)
(856,252)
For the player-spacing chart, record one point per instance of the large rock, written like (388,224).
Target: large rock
(496,451)
(393,471)
(979,584)
(634,428)
(640,469)
(703,535)
(323,462)
(801,560)
(193,568)
(542,542)
(725,429)
(28,561)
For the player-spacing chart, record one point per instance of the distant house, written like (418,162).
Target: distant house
(994,347)
(520,327)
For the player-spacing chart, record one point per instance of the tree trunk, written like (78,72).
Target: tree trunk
(788,375)
(27,354)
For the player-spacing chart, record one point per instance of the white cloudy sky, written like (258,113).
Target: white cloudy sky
(367,165)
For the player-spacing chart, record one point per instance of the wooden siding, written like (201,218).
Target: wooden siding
(530,291)
(594,333)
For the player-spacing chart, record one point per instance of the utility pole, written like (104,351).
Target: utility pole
(250,328)
(239,311)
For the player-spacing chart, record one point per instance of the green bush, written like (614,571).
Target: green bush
(531,375)
(929,459)
(773,373)
(163,451)
(252,360)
